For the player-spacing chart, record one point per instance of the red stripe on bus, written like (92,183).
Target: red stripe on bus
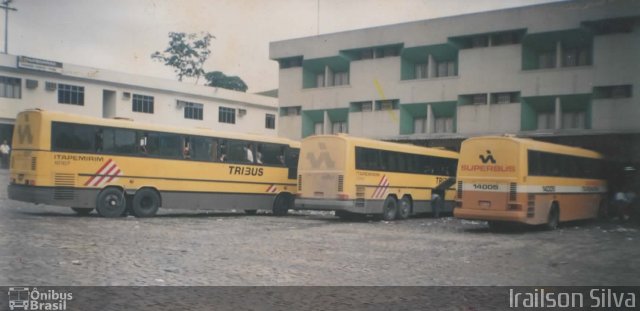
(97,173)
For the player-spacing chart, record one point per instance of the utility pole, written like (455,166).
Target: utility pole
(6,7)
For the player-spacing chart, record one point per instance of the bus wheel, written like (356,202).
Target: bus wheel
(554,217)
(404,209)
(82,211)
(281,204)
(145,203)
(111,203)
(250,211)
(389,208)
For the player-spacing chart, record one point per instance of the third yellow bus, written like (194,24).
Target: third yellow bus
(507,179)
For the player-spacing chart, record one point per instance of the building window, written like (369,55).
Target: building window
(573,120)
(290,62)
(575,57)
(10,87)
(421,71)
(192,110)
(226,115)
(443,125)
(505,38)
(270,121)
(546,120)
(613,92)
(479,42)
(445,69)
(318,128)
(340,78)
(339,127)
(363,106)
(420,125)
(142,103)
(70,94)
(504,98)
(479,99)
(290,111)
(547,60)
(366,54)
(386,104)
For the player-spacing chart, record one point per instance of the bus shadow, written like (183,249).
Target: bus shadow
(516,228)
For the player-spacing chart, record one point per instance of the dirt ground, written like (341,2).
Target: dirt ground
(47,245)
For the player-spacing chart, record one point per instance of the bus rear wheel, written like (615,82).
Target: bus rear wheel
(82,211)
(282,204)
(111,203)
(553,220)
(389,208)
(146,203)
(404,208)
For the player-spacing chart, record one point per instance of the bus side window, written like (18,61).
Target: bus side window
(186,147)
(292,156)
(222,153)
(99,140)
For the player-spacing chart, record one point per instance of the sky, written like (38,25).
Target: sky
(120,35)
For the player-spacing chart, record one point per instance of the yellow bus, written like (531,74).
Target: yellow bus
(352,175)
(123,167)
(507,179)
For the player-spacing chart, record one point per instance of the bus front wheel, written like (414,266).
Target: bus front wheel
(146,203)
(553,220)
(82,211)
(111,203)
(389,208)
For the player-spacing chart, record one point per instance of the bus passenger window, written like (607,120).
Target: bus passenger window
(142,143)
(186,148)
(99,140)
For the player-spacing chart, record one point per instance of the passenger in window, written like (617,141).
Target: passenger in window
(99,140)
(186,150)
(249,150)
(223,153)
(281,157)
(259,154)
(143,143)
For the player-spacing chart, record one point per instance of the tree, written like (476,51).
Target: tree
(219,79)
(186,53)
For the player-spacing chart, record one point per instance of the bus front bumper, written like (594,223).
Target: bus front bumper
(482,214)
(328,205)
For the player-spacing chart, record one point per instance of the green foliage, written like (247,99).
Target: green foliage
(219,79)
(186,53)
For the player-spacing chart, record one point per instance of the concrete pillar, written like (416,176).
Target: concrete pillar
(558,54)
(558,114)
(327,123)
(430,119)
(431,67)
(328,76)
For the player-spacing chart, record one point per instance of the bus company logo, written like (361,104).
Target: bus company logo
(323,157)
(488,158)
(106,174)
(24,299)
(382,188)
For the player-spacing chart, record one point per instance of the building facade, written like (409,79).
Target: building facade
(567,72)
(35,83)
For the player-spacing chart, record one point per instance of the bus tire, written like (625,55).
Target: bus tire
(250,211)
(282,204)
(82,211)
(553,220)
(404,208)
(146,203)
(111,202)
(389,208)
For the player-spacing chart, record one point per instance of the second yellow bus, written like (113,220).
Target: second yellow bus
(352,175)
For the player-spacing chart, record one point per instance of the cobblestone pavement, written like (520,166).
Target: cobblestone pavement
(47,245)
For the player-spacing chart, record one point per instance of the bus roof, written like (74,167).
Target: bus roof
(543,146)
(131,124)
(384,145)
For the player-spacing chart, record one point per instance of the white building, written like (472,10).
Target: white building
(35,83)
(567,72)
